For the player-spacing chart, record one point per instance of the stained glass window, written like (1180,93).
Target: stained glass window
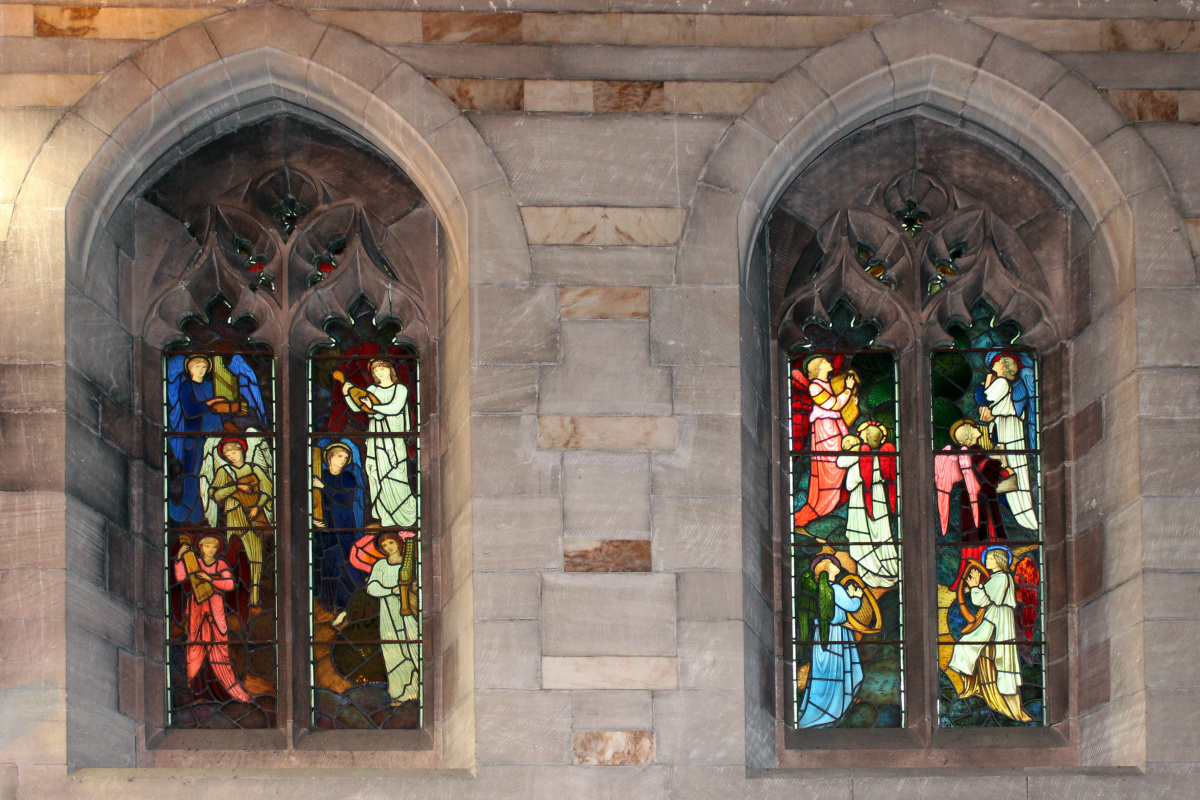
(847,632)
(219,453)
(365,532)
(987,465)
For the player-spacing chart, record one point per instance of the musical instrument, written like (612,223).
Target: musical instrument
(867,619)
(838,384)
(973,620)
(361,397)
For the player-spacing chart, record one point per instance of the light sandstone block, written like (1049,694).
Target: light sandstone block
(604,302)
(79,22)
(595,225)
(507,595)
(45,89)
(608,615)
(522,727)
(471,27)
(711,654)
(610,673)
(612,748)
(704,97)
(514,324)
(617,265)
(383,27)
(605,370)
(562,96)
(700,727)
(16,20)
(611,710)
(605,433)
(606,494)
(710,595)
(517,533)
(507,654)
(697,533)
(706,461)
(694,327)
(498,390)
(568,28)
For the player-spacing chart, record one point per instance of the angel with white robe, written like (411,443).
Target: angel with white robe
(1006,402)
(985,657)
(386,406)
(871,484)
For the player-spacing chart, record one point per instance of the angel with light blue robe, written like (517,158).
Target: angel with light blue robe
(1007,402)
(340,512)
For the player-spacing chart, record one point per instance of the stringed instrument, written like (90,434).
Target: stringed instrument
(361,397)
(838,384)
(867,619)
(973,620)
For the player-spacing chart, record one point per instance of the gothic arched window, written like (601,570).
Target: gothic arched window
(288,281)
(913,272)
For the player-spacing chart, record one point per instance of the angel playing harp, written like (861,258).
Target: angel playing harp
(985,660)
(240,495)
(390,558)
(827,403)
(205,394)
(829,616)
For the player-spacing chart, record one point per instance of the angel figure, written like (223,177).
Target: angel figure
(392,581)
(871,484)
(1006,403)
(243,496)
(338,507)
(207,580)
(835,672)
(985,656)
(204,395)
(827,423)
(386,406)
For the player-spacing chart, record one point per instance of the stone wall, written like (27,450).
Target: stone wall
(601,172)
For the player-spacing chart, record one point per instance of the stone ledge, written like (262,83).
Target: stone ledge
(602,225)
(657,673)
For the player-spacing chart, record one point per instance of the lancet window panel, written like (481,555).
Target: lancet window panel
(288,306)
(847,632)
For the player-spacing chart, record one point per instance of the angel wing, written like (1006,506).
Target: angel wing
(262,456)
(209,464)
(887,469)
(248,388)
(357,470)
(801,408)
(1024,395)
(175,370)
(946,473)
(1027,578)
(364,554)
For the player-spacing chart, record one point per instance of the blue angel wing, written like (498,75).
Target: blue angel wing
(174,406)
(248,388)
(1025,399)
(356,468)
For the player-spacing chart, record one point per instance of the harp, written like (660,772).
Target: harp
(201,589)
(973,619)
(838,384)
(867,619)
(318,504)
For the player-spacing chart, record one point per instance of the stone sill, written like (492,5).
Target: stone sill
(305,740)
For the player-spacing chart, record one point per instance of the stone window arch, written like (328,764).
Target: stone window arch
(917,227)
(295,245)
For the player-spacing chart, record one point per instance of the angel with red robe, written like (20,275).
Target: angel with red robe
(822,426)
(207,580)
(871,484)
(978,509)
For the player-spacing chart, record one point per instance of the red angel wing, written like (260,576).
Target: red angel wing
(946,473)
(801,409)
(887,468)
(1027,579)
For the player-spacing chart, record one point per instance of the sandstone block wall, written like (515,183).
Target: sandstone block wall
(608,606)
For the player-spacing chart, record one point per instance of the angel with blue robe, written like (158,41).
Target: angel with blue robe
(835,671)
(1006,402)
(196,405)
(339,510)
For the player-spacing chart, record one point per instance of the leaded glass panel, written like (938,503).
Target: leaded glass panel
(366,643)
(987,466)
(846,562)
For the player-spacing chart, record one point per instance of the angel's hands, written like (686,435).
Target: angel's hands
(318,483)
(854,590)
(183,548)
(252,513)
(204,576)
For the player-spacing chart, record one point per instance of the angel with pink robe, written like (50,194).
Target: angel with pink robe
(207,627)
(979,517)
(827,428)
